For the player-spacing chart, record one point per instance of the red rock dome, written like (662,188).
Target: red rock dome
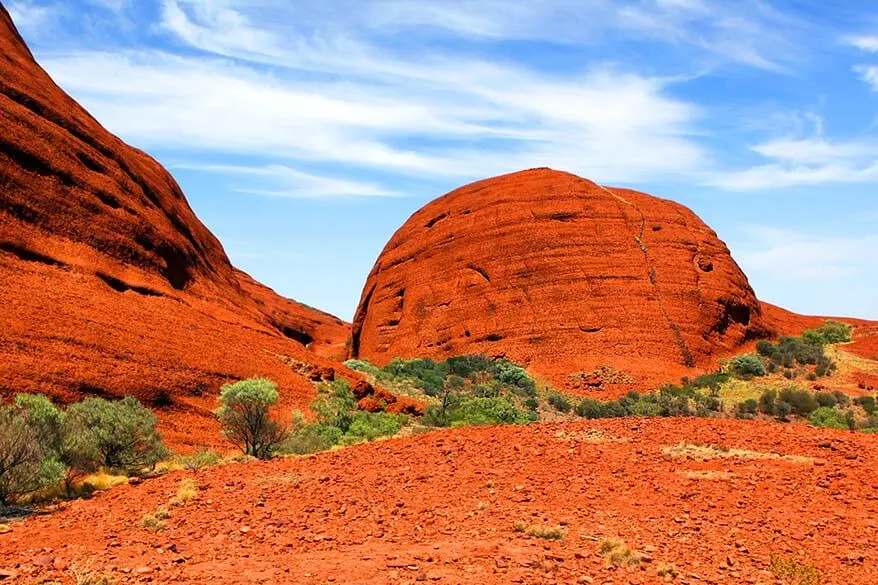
(559,273)
(109,283)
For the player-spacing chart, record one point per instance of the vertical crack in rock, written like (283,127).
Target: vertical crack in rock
(685,352)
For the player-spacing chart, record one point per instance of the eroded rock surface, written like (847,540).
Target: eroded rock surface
(561,274)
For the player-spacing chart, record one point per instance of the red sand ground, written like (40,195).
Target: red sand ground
(440,508)
(559,273)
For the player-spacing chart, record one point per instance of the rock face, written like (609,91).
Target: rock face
(559,273)
(110,284)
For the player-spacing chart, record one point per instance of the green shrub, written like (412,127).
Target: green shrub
(310,438)
(122,433)
(517,377)
(372,425)
(783,410)
(802,401)
(645,408)
(466,366)
(830,332)
(559,402)
(424,372)
(245,417)
(867,403)
(747,366)
(336,405)
(768,401)
(766,349)
(363,366)
(589,408)
(24,466)
(826,399)
(749,406)
(832,418)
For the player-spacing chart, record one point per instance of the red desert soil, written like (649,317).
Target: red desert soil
(559,273)
(110,283)
(441,508)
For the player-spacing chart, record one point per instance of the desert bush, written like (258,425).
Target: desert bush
(832,418)
(826,399)
(514,376)
(749,406)
(473,410)
(767,401)
(246,419)
(830,332)
(122,433)
(372,425)
(24,466)
(783,410)
(559,402)
(424,372)
(466,366)
(867,403)
(589,408)
(800,400)
(747,366)
(363,366)
(311,438)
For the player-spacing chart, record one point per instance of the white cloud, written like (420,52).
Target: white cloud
(869,74)
(809,161)
(283,181)
(29,17)
(866,43)
(474,118)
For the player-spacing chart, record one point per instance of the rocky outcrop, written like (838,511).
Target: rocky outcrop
(561,274)
(110,284)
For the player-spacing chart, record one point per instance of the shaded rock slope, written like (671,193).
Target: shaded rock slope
(110,283)
(557,272)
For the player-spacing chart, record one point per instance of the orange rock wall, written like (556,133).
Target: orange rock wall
(559,273)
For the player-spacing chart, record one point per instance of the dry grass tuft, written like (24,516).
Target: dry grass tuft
(187,492)
(713,475)
(540,531)
(86,574)
(666,570)
(710,452)
(794,572)
(156,520)
(616,552)
(593,436)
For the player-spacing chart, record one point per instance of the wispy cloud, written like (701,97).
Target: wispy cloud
(791,256)
(283,181)
(867,43)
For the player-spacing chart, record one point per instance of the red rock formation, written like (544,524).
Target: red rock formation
(558,273)
(110,283)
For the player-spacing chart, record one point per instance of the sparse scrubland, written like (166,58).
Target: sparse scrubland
(48,451)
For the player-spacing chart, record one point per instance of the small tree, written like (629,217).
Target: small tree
(245,417)
(117,434)
(23,463)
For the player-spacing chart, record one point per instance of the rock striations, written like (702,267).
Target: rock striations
(559,273)
(110,283)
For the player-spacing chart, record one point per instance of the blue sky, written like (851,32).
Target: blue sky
(304,133)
